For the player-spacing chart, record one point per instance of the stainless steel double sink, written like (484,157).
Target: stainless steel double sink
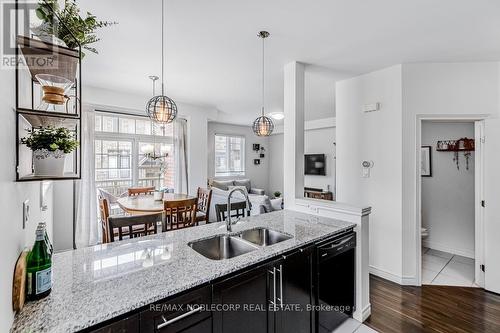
(229,246)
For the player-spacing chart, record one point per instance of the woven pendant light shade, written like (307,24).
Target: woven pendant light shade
(263,126)
(161,109)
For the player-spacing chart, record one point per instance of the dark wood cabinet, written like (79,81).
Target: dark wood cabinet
(295,276)
(125,325)
(187,313)
(273,298)
(241,302)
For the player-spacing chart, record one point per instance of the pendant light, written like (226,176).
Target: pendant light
(263,125)
(149,151)
(161,109)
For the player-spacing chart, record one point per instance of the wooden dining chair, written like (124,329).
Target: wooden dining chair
(132,191)
(180,214)
(104,211)
(203,208)
(133,226)
(238,209)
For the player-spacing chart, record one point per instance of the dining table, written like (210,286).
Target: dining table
(146,204)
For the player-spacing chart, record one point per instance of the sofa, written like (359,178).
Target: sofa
(260,202)
(227,183)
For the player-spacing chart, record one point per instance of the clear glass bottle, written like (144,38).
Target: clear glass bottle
(39,268)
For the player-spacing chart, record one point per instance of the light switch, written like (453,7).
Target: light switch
(366,166)
(26,212)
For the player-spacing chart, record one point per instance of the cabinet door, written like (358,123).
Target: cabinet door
(242,303)
(295,287)
(126,325)
(186,313)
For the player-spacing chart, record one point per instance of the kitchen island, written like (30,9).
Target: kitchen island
(94,287)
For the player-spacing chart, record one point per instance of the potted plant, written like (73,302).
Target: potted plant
(277,194)
(66,24)
(50,146)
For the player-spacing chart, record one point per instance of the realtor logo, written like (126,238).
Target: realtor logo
(25,12)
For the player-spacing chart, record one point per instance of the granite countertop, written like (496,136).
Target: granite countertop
(94,284)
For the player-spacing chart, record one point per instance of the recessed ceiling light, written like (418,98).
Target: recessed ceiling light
(277,115)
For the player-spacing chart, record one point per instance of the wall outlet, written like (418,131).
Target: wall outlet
(26,212)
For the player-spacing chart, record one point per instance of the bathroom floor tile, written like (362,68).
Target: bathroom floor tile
(459,270)
(433,263)
(428,276)
(463,260)
(441,254)
(445,280)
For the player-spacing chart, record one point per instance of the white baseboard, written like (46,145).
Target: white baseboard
(363,314)
(445,248)
(409,281)
(386,275)
(402,280)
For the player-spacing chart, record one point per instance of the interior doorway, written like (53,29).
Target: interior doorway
(449,196)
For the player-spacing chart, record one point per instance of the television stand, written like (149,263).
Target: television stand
(314,193)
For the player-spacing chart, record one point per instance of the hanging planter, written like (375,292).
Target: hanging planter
(50,147)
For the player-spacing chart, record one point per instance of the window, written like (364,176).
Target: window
(121,146)
(229,155)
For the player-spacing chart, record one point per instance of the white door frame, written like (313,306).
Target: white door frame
(478,121)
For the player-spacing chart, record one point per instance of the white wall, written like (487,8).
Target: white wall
(316,141)
(63,215)
(407,92)
(258,174)
(448,196)
(276,156)
(321,141)
(13,239)
(442,89)
(376,137)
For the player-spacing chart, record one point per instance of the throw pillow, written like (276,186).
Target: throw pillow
(222,184)
(243,182)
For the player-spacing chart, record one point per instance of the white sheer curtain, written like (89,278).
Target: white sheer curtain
(87,230)
(180,156)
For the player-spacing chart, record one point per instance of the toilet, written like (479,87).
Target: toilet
(424,232)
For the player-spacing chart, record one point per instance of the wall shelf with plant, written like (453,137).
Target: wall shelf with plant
(48,147)
(49,87)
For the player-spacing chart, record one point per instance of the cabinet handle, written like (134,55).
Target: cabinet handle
(176,319)
(281,286)
(273,272)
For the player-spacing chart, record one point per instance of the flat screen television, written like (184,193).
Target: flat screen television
(314,164)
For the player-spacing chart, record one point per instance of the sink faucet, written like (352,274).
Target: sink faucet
(249,206)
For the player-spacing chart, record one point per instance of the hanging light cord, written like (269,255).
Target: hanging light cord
(162,47)
(263,81)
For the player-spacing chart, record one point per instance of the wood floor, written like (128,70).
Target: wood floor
(405,309)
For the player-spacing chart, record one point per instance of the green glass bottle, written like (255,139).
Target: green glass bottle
(46,237)
(39,268)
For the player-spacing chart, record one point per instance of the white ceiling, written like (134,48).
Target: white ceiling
(214,55)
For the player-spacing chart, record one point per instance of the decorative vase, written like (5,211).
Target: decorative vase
(49,163)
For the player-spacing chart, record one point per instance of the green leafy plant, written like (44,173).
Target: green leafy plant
(51,138)
(277,194)
(66,24)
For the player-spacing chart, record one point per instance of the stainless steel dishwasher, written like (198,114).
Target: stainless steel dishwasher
(335,283)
